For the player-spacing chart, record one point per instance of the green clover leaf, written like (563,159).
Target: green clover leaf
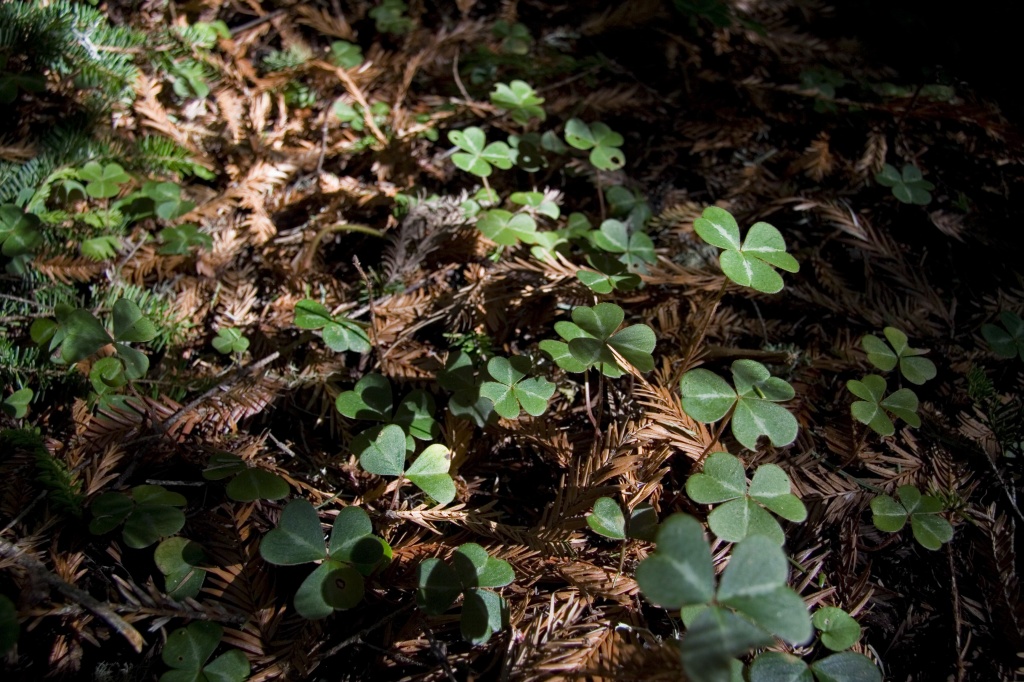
(909,187)
(511,388)
(773,666)
(520,100)
(477,157)
(604,143)
(636,250)
(839,630)
(16,404)
(339,333)
(188,649)
(874,406)
(179,240)
(506,228)
(148,512)
(230,340)
(19,231)
(103,181)
(623,203)
(930,530)
(915,369)
(592,339)
(460,377)
(345,54)
(430,474)
(752,263)
(607,519)
(536,202)
(1008,340)
(708,397)
(178,559)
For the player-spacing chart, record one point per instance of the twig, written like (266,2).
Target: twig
(458,80)
(24,512)
(958,622)
(369,302)
(39,571)
(241,374)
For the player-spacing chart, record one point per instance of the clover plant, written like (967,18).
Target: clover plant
(930,530)
(1008,340)
(187,652)
(909,187)
(180,239)
(16,404)
(178,559)
(515,37)
(354,553)
(248,483)
(752,262)
(371,399)
(609,275)
(389,17)
(512,390)
(838,629)
(477,156)
(624,203)
(885,356)
(874,407)
(230,340)
(9,627)
(460,376)
(847,666)
(520,100)
(77,333)
(593,341)
(506,228)
(634,248)
(608,519)
(103,181)
(743,512)
(752,404)
(484,612)
(167,200)
(536,203)
(148,512)
(19,232)
(339,333)
(603,143)
(385,456)
(345,54)
(751,606)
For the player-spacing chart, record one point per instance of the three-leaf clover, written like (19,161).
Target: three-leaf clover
(520,100)
(751,263)
(604,143)
(743,513)
(839,630)
(19,231)
(371,399)
(230,340)
(511,388)
(167,201)
(103,181)
(340,333)
(477,156)
(188,649)
(506,228)
(178,240)
(178,559)
(607,519)
(249,483)
(610,275)
(385,456)
(16,404)
(930,529)
(635,250)
(874,406)
(593,341)
(537,203)
(753,402)
(460,376)
(346,54)
(389,17)
(910,187)
(148,512)
(483,612)
(751,605)
(915,369)
(847,666)
(337,583)
(624,203)
(1008,340)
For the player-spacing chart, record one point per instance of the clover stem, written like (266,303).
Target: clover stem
(705,324)
(718,432)
(486,185)
(586,400)
(394,498)
(307,260)
(600,196)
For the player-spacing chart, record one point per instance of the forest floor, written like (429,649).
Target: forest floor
(776,116)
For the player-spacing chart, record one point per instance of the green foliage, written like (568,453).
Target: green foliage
(230,340)
(148,512)
(603,143)
(64,489)
(930,530)
(385,456)
(103,181)
(753,403)
(609,275)
(9,627)
(536,203)
(247,484)
(1006,341)
(607,519)
(751,605)
(515,37)
(520,100)
(839,630)
(477,156)
(339,333)
(389,17)
(822,80)
(460,376)
(874,407)
(717,12)
(909,187)
(593,342)
(505,228)
(179,240)
(512,390)
(345,54)
(484,612)
(284,60)
(633,248)
(915,369)
(354,553)
(19,232)
(743,512)
(371,399)
(188,649)
(178,559)
(751,263)
(16,404)
(773,666)
(623,203)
